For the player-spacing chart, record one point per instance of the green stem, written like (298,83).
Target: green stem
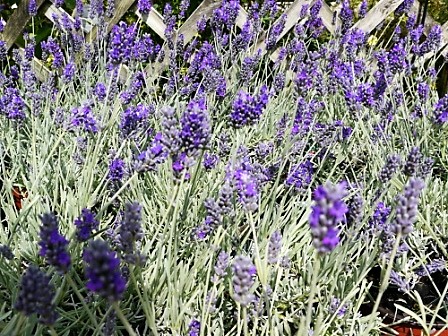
(81,298)
(313,288)
(123,319)
(19,325)
(53,332)
(385,281)
(246,329)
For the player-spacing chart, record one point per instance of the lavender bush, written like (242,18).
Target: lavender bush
(211,187)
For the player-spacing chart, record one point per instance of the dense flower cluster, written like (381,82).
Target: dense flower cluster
(130,233)
(36,295)
(102,268)
(247,109)
(53,246)
(85,224)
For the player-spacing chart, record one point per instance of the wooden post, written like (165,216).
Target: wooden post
(17,22)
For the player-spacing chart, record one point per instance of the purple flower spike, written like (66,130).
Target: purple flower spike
(406,212)
(85,224)
(36,295)
(244,272)
(102,268)
(52,244)
(329,210)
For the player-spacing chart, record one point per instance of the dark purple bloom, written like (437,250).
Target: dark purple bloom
(155,154)
(355,210)
(398,281)
(50,47)
(100,91)
(379,218)
(6,252)
(392,165)
(32,8)
(441,110)
(404,8)
(144,6)
(413,162)
(433,40)
(329,210)
(406,210)
(133,119)
(36,295)
(85,224)
(346,16)
(53,246)
(435,265)
(195,125)
(300,176)
(116,170)
(275,32)
(244,272)
(247,185)
(247,109)
(12,104)
(102,268)
(121,41)
(362,9)
(69,72)
(210,160)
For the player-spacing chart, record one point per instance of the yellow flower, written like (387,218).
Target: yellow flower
(372,40)
(49,60)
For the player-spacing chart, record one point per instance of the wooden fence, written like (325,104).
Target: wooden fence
(19,19)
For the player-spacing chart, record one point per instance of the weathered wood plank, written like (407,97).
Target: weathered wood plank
(326,15)
(154,20)
(17,22)
(59,12)
(189,27)
(121,8)
(377,15)
(242,17)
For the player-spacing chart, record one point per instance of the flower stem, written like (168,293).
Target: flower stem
(81,298)
(309,310)
(123,319)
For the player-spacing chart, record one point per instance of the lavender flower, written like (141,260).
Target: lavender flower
(300,176)
(244,272)
(32,8)
(441,110)
(36,295)
(413,162)
(6,252)
(100,91)
(362,9)
(83,118)
(133,118)
(149,159)
(194,328)
(275,32)
(116,171)
(335,307)
(274,247)
(85,224)
(328,211)
(435,265)
(355,210)
(110,324)
(102,268)
(222,263)
(406,211)
(247,186)
(144,6)
(397,280)
(52,244)
(210,160)
(379,218)
(247,109)
(195,127)
(392,165)
(130,233)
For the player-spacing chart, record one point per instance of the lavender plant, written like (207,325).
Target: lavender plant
(169,165)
